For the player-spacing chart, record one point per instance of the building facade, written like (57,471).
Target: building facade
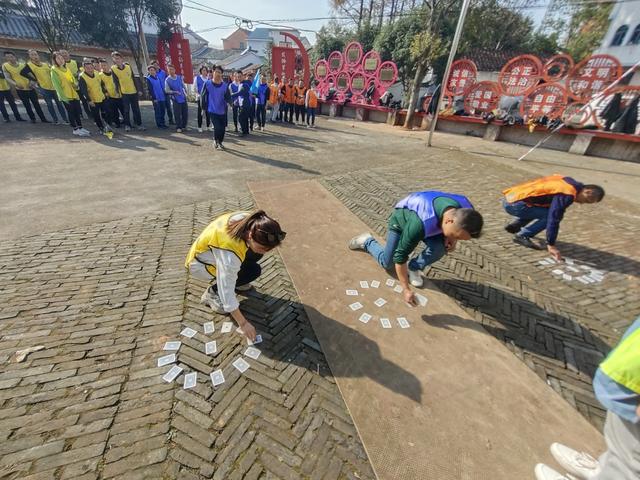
(622,39)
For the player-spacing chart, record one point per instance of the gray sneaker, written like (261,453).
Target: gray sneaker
(526,242)
(210,297)
(357,243)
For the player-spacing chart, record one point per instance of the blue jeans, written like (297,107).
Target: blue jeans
(532,220)
(311,115)
(384,256)
(159,108)
(50,96)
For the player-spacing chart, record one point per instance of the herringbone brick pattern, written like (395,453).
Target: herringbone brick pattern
(102,300)
(561,330)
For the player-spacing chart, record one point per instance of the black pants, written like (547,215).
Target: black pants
(28,98)
(74,112)
(219,126)
(300,110)
(235,109)
(261,114)
(6,95)
(96,114)
(181,111)
(250,269)
(289,110)
(170,112)
(206,114)
(245,113)
(115,109)
(252,116)
(131,100)
(86,107)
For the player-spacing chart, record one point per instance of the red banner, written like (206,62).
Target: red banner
(181,56)
(283,62)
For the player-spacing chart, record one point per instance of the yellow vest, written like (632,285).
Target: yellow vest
(4,85)
(94,87)
(43,74)
(22,83)
(110,85)
(72,65)
(125,77)
(623,363)
(67,82)
(216,236)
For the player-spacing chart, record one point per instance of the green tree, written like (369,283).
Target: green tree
(587,28)
(330,37)
(366,35)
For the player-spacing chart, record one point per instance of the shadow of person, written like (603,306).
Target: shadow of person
(601,259)
(270,161)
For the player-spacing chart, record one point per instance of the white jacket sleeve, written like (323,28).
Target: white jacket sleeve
(227,268)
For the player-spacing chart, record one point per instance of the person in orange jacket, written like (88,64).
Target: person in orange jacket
(300,93)
(274,99)
(288,91)
(311,103)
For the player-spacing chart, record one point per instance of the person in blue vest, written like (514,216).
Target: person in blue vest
(439,219)
(234,86)
(216,98)
(616,384)
(156,91)
(162,75)
(243,95)
(198,85)
(174,87)
(262,97)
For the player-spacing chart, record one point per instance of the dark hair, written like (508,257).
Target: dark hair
(53,58)
(87,61)
(470,221)
(152,66)
(596,191)
(102,60)
(263,229)
(239,72)
(170,65)
(219,68)
(203,67)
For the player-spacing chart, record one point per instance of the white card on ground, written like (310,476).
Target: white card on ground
(568,261)
(355,306)
(583,280)
(422,300)
(211,347)
(557,272)
(397,289)
(171,375)
(217,377)
(566,277)
(252,352)
(172,346)
(380,302)
(386,323)
(209,328)
(550,260)
(403,322)
(585,267)
(188,332)
(190,380)
(166,360)
(352,293)
(241,365)
(543,262)
(257,340)
(365,317)
(390,282)
(572,269)
(226,327)
(364,284)
(375,284)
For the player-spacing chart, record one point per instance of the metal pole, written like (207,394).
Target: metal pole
(452,55)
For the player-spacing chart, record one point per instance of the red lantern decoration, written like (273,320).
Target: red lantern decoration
(520,75)
(462,78)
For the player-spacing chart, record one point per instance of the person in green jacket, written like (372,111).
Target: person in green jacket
(66,86)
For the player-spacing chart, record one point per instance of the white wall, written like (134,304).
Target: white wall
(623,13)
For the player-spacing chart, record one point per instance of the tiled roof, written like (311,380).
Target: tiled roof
(18,26)
(492,60)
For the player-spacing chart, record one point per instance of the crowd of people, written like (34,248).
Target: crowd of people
(110,97)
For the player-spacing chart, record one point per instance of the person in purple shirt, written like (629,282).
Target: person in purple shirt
(174,87)
(262,98)
(162,75)
(216,97)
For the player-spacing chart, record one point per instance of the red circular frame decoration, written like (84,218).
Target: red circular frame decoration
(370,56)
(562,62)
(546,100)
(572,109)
(387,66)
(482,97)
(463,76)
(333,57)
(520,75)
(356,61)
(365,83)
(342,76)
(592,75)
(627,91)
(321,63)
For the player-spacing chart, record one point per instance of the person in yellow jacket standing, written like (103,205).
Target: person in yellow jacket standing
(66,86)
(226,254)
(40,72)
(113,103)
(92,89)
(24,87)
(128,90)
(5,94)
(617,387)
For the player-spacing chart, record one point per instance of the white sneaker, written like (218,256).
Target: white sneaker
(545,472)
(84,131)
(210,297)
(77,132)
(580,464)
(199,130)
(415,278)
(211,129)
(357,243)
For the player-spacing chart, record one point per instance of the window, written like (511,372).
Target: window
(635,36)
(619,36)
(242,46)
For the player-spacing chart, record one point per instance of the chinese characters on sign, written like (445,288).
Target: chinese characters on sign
(483,97)
(520,75)
(462,77)
(546,100)
(593,75)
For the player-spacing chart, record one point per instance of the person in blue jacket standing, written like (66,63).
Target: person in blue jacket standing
(243,96)
(198,85)
(216,97)
(174,86)
(262,97)
(439,219)
(162,75)
(156,91)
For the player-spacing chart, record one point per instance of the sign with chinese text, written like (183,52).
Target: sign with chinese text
(546,100)
(593,75)
(462,77)
(520,75)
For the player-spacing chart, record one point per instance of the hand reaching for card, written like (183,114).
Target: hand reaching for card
(410,298)
(248,330)
(450,244)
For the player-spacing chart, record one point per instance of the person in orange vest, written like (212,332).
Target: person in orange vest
(311,103)
(300,93)
(288,91)
(274,99)
(540,204)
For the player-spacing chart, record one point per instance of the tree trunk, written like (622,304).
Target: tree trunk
(421,71)
(370,11)
(360,14)
(381,18)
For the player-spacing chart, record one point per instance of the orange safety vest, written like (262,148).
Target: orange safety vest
(313,99)
(539,187)
(274,94)
(288,93)
(300,93)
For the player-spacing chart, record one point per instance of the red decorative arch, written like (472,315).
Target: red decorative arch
(303,53)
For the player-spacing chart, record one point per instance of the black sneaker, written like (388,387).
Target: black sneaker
(526,242)
(513,227)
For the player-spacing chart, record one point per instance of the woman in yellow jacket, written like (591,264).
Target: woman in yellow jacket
(66,86)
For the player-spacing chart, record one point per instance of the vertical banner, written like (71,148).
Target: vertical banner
(283,61)
(180,54)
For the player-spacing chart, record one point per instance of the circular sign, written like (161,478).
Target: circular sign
(321,69)
(576,114)
(482,97)
(627,94)
(371,62)
(358,83)
(592,75)
(342,82)
(520,75)
(546,100)
(462,77)
(557,68)
(335,62)
(353,54)
(387,74)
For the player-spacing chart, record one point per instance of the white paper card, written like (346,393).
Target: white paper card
(385,323)
(252,352)
(572,269)
(352,293)
(209,328)
(397,289)
(364,284)
(355,306)
(258,340)
(582,280)
(171,375)
(557,272)
(211,347)
(375,284)
(390,282)
(422,300)
(217,378)
(403,322)
(188,332)
(380,302)
(566,277)
(364,318)
(166,360)
(568,261)
(172,346)
(190,380)
(226,327)
(241,365)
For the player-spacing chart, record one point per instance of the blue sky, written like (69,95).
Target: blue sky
(253,9)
